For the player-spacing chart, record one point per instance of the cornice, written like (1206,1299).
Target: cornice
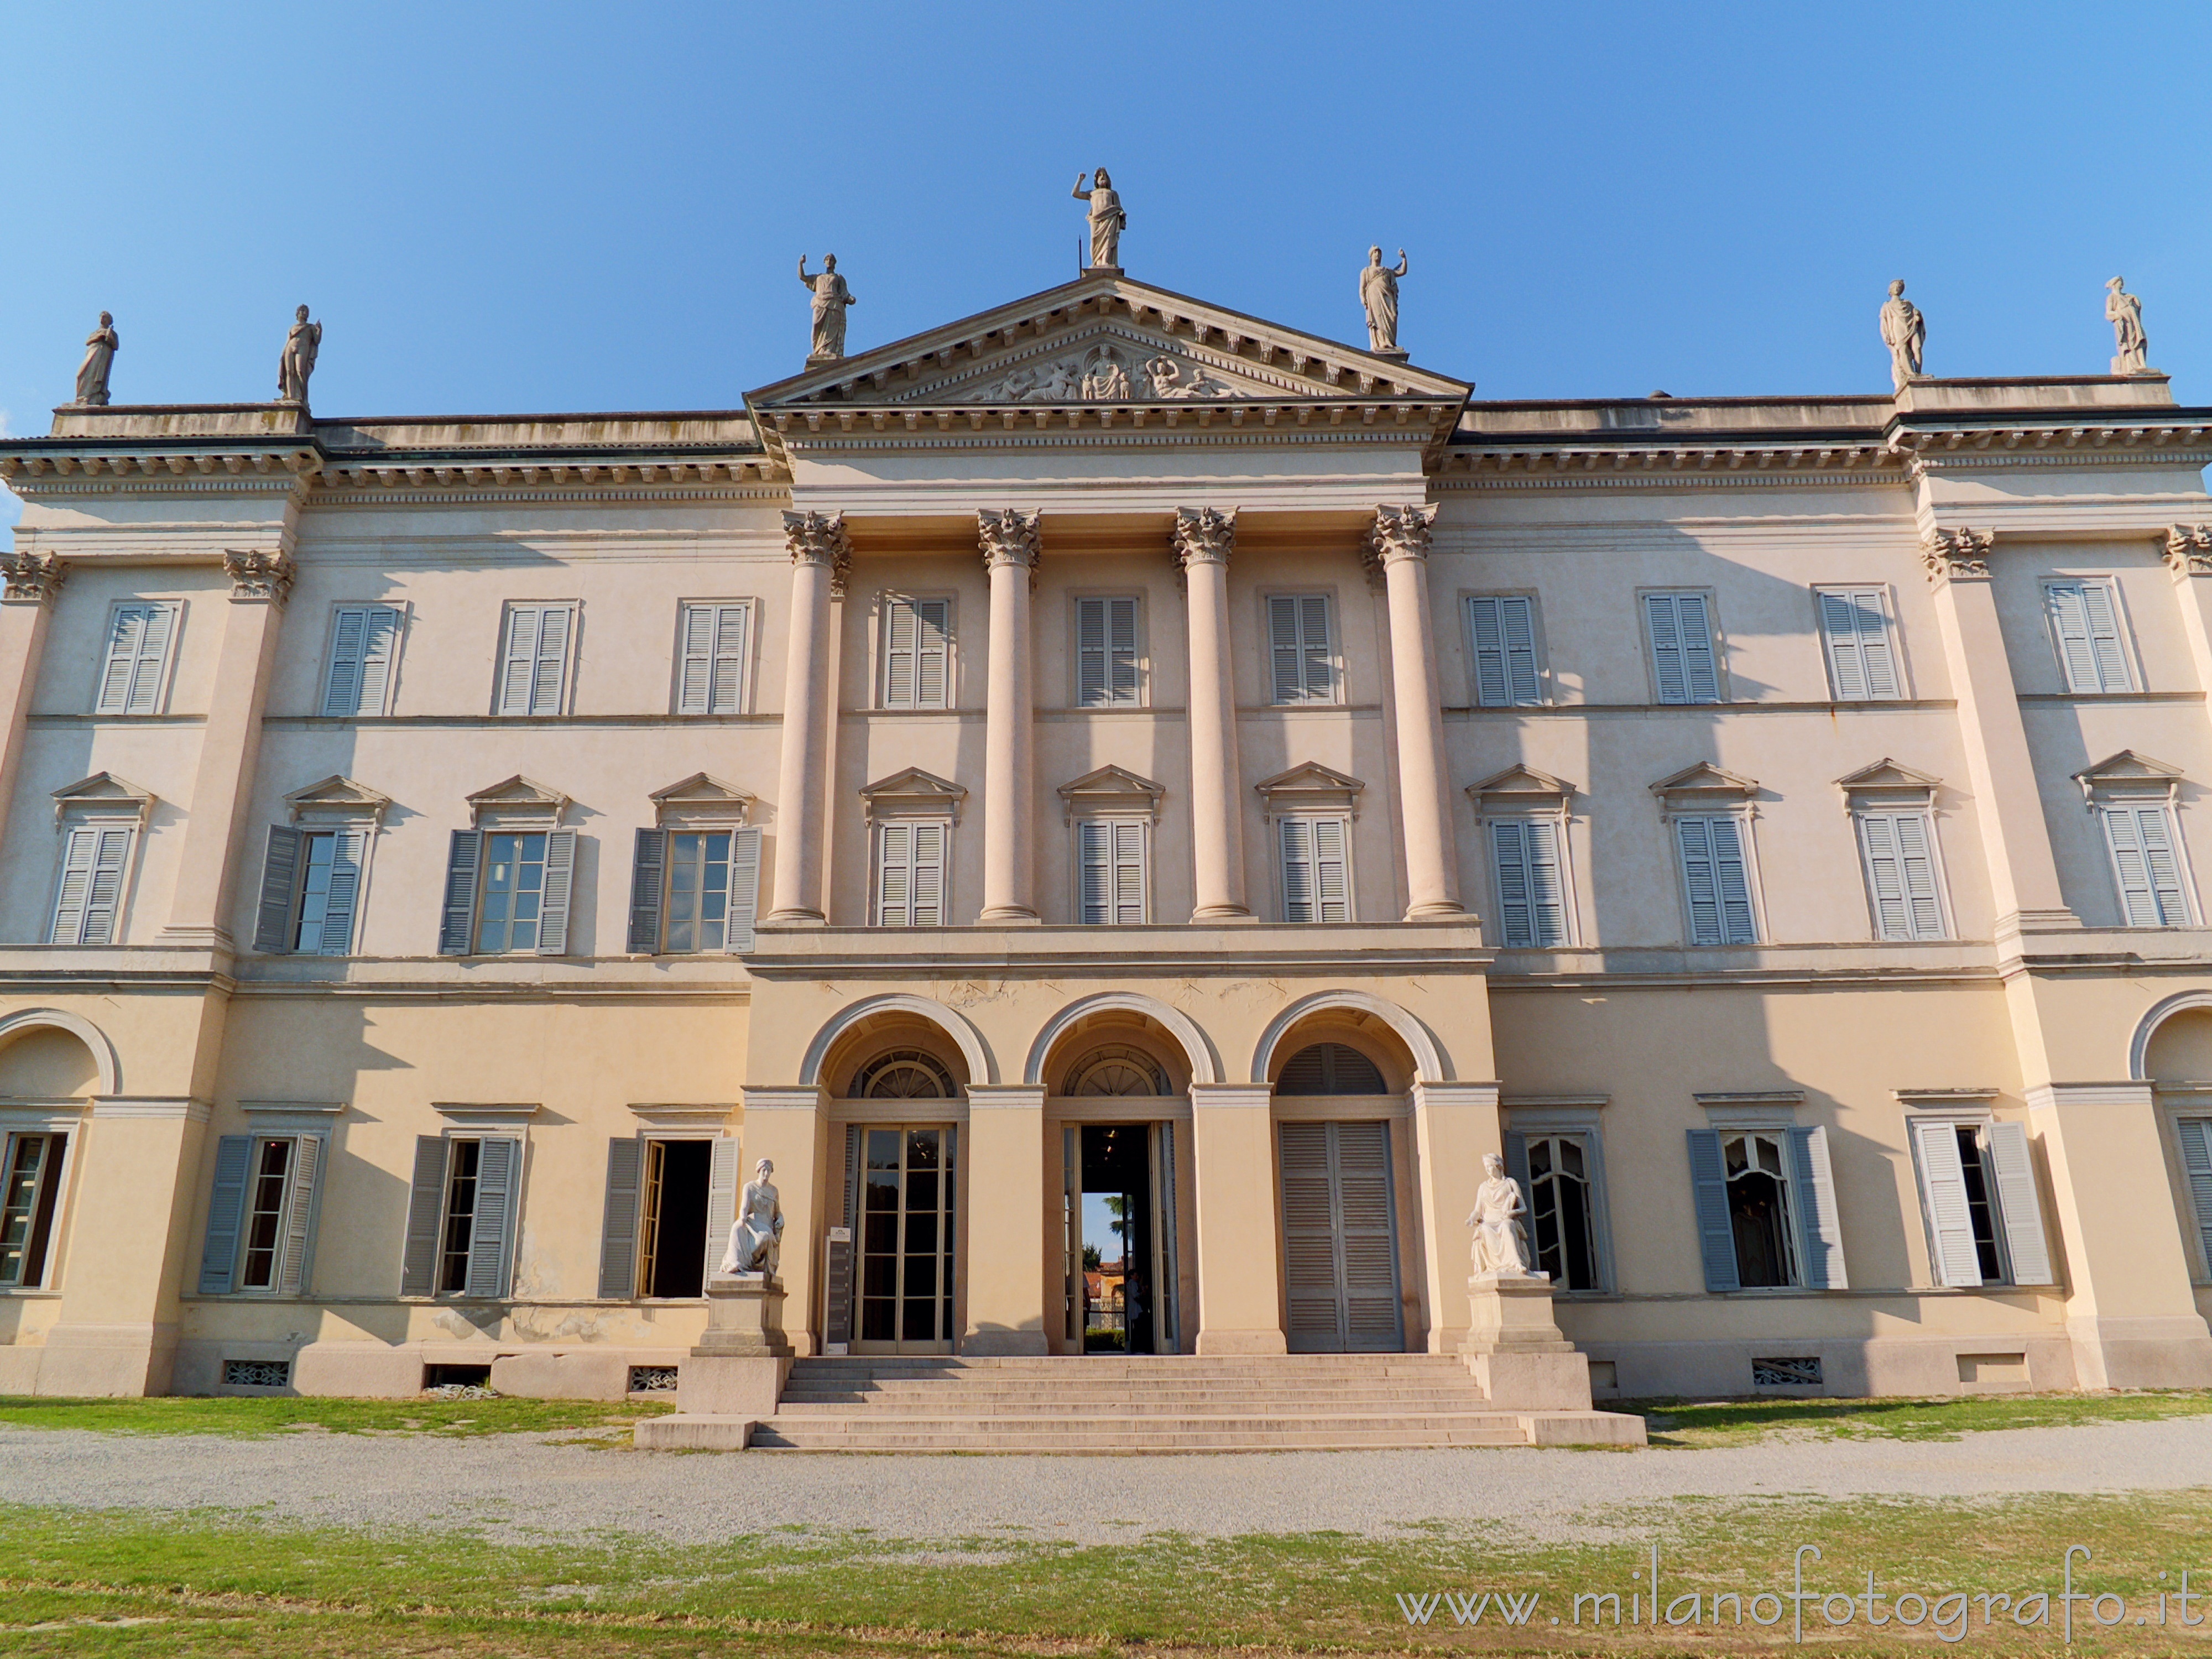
(1641,463)
(1093,426)
(1937,445)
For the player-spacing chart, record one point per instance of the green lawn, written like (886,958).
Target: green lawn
(1739,1422)
(247,1418)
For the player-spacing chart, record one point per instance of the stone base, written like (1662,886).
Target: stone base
(693,1432)
(1213,1344)
(2172,1352)
(744,1317)
(1584,1429)
(107,1361)
(729,1385)
(1516,1350)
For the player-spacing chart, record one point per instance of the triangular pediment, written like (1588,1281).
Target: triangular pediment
(519,795)
(913,790)
(338,794)
(1112,788)
(1523,784)
(701,790)
(1105,339)
(1312,787)
(2129,772)
(103,793)
(1705,779)
(1887,776)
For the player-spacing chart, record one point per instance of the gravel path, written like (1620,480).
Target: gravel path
(507,1482)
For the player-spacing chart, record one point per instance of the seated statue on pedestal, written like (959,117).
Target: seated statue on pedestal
(1501,1242)
(757,1235)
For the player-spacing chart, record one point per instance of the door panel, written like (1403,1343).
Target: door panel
(905,1243)
(1340,1238)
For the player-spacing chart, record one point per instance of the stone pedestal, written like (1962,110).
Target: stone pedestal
(745,1318)
(1517,1353)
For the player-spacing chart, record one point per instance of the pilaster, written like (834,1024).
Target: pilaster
(1204,538)
(820,552)
(789,1127)
(1010,543)
(1240,1234)
(1001,1184)
(1454,1125)
(2189,556)
(1399,541)
(34,581)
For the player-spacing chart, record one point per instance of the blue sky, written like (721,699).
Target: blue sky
(562,208)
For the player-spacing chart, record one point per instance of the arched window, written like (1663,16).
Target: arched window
(903,1075)
(1330,1068)
(1117,1069)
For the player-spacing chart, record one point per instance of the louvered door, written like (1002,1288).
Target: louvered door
(1340,1239)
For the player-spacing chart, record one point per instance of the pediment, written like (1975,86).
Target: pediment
(103,791)
(1311,786)
(912,791)
(1887,776)
(701,789)
(1520,784)
(337,795)
(1705,779)
(1104,339)
(2129,772)
(519,795)
(1112,788)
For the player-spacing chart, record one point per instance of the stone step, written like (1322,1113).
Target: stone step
(1041,1401)
(1140,1435)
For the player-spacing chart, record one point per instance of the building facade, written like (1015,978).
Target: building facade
(1110,748)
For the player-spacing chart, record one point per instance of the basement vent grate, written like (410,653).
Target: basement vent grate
(257,1373)
(651,1379)
(1785,1373)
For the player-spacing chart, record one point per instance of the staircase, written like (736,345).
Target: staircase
(1137,1403)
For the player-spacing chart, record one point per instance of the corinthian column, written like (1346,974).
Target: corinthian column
(819,552)
(1009,554)
(1400,541)
(1203,537)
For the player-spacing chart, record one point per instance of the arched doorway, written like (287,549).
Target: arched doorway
(47,1074)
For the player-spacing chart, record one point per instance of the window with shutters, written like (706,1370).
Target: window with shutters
(1980,1204)
(462,1210)
(458,1234)
(1341,1287)
(310,886)
(1501,632)
(910,876)
(1904,878)
(1108,662)
(90,893)
(1113,883)
(2087,630)
(30,1194)
(1861,644)
(1302,653)
(1766,1204)
(2144,840)
(2194,1135)
(1560,1171)
(1678,629)
(1760,1209)
(670,1203)
(1528,862)
(1718,889)
(364,660)
(261,1213)
(538,643)
(135,670)
(1316,868)
(510,905)
(714,656)
(916,652)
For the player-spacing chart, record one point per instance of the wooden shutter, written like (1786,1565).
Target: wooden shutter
(933,664)
(1111,864)
(280,882)
(1296,839)
(95,859)
(559,883)
(2085,622)
(721,1201)
(78,852)
(2196,1136)
(1531,897)
(1105,652)
(1308,1241)
(1681,638)
(364,639)
(499,1195)
(2144,861)
(1303,669)
(1716,881)
(1367,1237)
(1503,629)
(648,876)
(744,888)
(2102,608)
(1715,1230)
(534,661)
(928,908)
(1821,1242)
(348,853)
(518,658)
(1332,839)
(1169,1292)
(226,1214)
(2020,1205)
(619,1228)
(138,640)
(425,1216)
(1943,1197)
(1855,628)
(457,924)
(894,875)
(1885,873)
(711,679)
(295,1258)
(899,655)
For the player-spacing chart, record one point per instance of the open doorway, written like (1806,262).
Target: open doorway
(671,1244)
(1121,1238)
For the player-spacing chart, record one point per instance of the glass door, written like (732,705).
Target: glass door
(906,1221)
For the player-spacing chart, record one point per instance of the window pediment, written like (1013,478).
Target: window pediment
(518,799)
(1705,787)
(1310,787)
(106,794)
(1111,790)
(2129,774)
(338,799)
(1521,787)
(701,798)
(913,793)
(1889,784)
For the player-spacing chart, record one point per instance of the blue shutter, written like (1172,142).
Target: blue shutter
(1820,1239)
(458,923)
(280,880)
(648,874)
(2019,1205)
(499,1192)
(618,1232)
(1716,1231)
(295,1260)
(225,1213)
(426,1215)
(721,1202)
(560,882)
(348,850)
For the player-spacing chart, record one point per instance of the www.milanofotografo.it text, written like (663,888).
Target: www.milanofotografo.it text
(1951,1615)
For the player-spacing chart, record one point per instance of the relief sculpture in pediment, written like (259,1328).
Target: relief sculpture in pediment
(1103,375)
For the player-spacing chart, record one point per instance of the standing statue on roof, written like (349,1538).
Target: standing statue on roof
(300,347)
(1904,332)
(1107,221)
(831,296)
(1378,297)
(2130,347)
(99,356)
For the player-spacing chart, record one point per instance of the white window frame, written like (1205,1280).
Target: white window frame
(1332,648)
(1114,826)
(1537,685)
(326,706)
(1868,654)
(1312,822)
(1743,818)
(2095,673)
(889,607)
(531,702)
(154,684)
(740,690)
(1716,647)
(887,824)
(96,826)
(2019,1239)
(1567,1117)
(1556,820)
(1866,813)
(1139,695)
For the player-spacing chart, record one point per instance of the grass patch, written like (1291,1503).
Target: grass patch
(194,1584)
(1681,1423)
(248,1417)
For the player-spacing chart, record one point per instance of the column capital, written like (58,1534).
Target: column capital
(1398,533)
(820,538)
(1204,535)
(2188,550)
(32,578)
(1248,1096)
(258,575)
(1956,554)
(1010,536)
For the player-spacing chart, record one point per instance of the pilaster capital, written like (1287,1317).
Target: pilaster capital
(820,538)
(1956,555)
(1251,1096)
(1204,535)
(2188,550)
(1398,533)
(1005,1097)
(1010,536)
(32,578)
(799,1098)
(258,575)
(1482,1095)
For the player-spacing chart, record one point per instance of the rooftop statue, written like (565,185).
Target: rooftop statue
(1378,296)
(1904,332)
(298,363)
(831,296)
(99,356)
(1107,221)
(2124,310)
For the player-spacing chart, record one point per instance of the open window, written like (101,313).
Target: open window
(694,879)
(1765,1202)
(31,1162)
(261,1214)
(1978,1200)
(316,869)
(462,1207)
(508,880)
(670,1198)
